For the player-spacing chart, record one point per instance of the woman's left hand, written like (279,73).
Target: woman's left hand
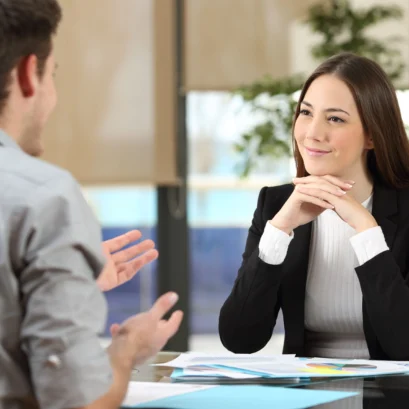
(347,208)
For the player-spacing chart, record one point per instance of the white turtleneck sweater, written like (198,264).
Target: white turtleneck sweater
(333,299)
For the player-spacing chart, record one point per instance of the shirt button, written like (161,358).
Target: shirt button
(54,361)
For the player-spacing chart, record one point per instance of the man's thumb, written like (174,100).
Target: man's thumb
(114,329)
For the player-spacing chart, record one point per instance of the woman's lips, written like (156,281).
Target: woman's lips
(316,152)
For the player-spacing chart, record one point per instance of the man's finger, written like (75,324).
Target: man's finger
(114,329)
(170,327)
(132,252)
(123,240)
(143,260)
(163,304)
(130,268)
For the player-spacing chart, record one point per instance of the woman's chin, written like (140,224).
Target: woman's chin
(319,171)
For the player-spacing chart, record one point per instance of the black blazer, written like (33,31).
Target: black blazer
(249,314)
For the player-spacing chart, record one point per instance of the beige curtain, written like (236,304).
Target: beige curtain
(115,121)
(234,42)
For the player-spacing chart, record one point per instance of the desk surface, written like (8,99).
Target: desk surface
(386,392)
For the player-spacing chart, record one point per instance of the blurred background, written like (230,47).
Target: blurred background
(173,114)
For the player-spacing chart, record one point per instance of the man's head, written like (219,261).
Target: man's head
(27,92)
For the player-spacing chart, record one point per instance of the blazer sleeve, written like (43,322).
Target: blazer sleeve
(386,295)
(249,314)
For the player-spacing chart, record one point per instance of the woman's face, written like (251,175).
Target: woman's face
(329,132)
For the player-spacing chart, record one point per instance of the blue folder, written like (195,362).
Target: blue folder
(247,396)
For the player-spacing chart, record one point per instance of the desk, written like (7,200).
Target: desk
(386,392)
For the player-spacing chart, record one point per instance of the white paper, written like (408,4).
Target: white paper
(288,366)
(193,359)
(301,368)
(208,372)
(401,363)
(142,392)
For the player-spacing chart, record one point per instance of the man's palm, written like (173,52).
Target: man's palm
(122,264)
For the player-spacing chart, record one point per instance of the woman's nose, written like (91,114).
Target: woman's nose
(315,131)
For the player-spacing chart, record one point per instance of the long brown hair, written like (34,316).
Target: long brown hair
(375,98)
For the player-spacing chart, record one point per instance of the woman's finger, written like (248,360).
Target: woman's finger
(345,185)
(348,184)
(327,187)
(303,197)
(318,194)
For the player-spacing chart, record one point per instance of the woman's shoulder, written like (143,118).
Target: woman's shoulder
(403,200)
(274,196)
(404,193)
(280,190)
(389,194)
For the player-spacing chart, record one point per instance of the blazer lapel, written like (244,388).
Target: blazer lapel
(384,208)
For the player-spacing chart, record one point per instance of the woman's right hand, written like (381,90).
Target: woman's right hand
(301,208)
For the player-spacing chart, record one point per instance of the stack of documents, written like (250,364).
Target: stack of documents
(192,366)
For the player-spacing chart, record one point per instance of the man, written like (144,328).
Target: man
(51,307)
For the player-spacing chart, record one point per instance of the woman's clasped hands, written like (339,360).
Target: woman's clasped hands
(313,195)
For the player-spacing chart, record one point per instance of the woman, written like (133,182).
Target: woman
(332,249)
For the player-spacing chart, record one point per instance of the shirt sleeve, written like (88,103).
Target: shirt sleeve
(274,244)
(64,311)
(368,244)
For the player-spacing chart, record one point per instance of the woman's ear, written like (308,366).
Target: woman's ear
(369,143)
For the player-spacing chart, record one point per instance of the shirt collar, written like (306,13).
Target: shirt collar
(7,141)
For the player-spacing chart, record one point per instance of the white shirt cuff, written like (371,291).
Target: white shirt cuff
(274,244)
(368,244)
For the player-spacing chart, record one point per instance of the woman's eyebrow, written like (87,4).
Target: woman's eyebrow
(326,110)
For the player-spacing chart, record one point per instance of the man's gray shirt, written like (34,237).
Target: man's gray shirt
(51,309)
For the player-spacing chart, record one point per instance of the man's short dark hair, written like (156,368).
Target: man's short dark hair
(26,28)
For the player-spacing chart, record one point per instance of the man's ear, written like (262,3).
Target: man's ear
(27,75)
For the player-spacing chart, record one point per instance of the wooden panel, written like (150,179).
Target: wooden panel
(235,42)
(104,128)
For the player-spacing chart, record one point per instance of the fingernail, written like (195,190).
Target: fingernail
(348,185)
(342,191)
(351,182)
(173,298)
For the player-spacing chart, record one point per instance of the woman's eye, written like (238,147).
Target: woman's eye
(305,112)
(335,119)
